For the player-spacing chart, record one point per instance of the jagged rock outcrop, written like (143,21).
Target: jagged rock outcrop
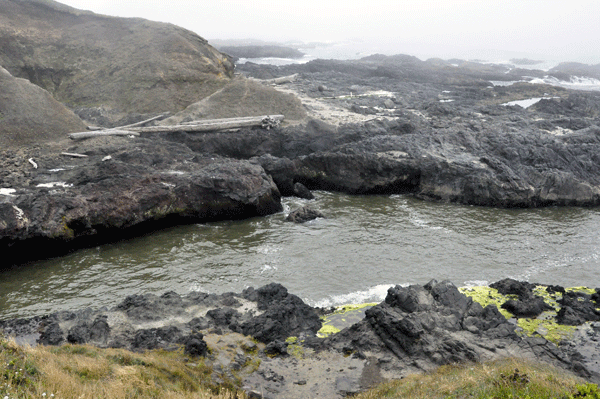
(427,326)
(268,314)
(122,65)
(122,188)
(30,115)
(417,328)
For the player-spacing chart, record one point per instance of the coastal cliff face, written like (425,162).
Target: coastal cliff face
(123,65)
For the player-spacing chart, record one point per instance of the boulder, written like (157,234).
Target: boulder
(304,214)
(301,191)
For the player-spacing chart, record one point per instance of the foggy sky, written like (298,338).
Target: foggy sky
(559,30)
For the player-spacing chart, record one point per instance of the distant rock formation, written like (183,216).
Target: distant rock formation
(261,51)
(126,65)
(29,114)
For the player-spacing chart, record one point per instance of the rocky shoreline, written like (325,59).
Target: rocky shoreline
(438,130)
(274,344)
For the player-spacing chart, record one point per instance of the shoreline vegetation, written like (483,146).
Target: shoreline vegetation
(82,371)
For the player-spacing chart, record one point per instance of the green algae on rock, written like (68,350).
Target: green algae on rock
(344,316)
(544,325)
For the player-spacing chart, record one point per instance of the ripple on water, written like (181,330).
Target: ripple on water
(366,244)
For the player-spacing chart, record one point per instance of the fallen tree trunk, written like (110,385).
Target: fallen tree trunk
(73,155)
(239,119)
(99,133)
(142,123)
(281,80)
(210,125)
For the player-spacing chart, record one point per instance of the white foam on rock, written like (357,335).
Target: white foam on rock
(524,103)
(54,184)
(8,191)
(372,294)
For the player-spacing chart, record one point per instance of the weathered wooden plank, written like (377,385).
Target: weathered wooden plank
(210,125)
(99,133)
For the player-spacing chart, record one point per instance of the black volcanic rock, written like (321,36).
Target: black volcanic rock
(417,328)
(576,309)
(120,190)
(427,326)
(530,307)
(301,191)
(284,315)
(304,214)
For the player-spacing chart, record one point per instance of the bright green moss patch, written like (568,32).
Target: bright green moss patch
(343,317)
(488,296)
(544,325)
(327,330)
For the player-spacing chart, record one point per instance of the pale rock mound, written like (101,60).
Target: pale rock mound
(121,65)
(30,115)
(242,97)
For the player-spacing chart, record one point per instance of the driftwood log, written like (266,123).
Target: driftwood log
(73,155)
(211,125)
(281,80)
(100,133)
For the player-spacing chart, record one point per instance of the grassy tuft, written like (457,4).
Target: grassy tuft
(506,379)
(81,371)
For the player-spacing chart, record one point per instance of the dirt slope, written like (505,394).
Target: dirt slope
(29,114)
(243,97)
(125,65)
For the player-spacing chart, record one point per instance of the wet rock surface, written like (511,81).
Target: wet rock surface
(122,187)
(304,214)
(417,328)
(439,131)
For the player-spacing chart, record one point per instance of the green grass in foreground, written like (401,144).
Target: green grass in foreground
(507,379)
(79,371)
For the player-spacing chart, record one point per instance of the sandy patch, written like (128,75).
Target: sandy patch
(329,109)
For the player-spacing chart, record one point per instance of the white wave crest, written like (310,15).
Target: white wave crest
(373,294)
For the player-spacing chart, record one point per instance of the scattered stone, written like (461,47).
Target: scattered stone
(303,215)
(301,191)
(195,345)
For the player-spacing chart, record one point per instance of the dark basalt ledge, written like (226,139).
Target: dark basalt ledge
(125,189)
(416,329)
(440,133)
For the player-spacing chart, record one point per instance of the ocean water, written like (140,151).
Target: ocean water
(364,245)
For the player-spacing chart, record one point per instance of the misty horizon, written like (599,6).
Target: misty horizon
(465,29)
